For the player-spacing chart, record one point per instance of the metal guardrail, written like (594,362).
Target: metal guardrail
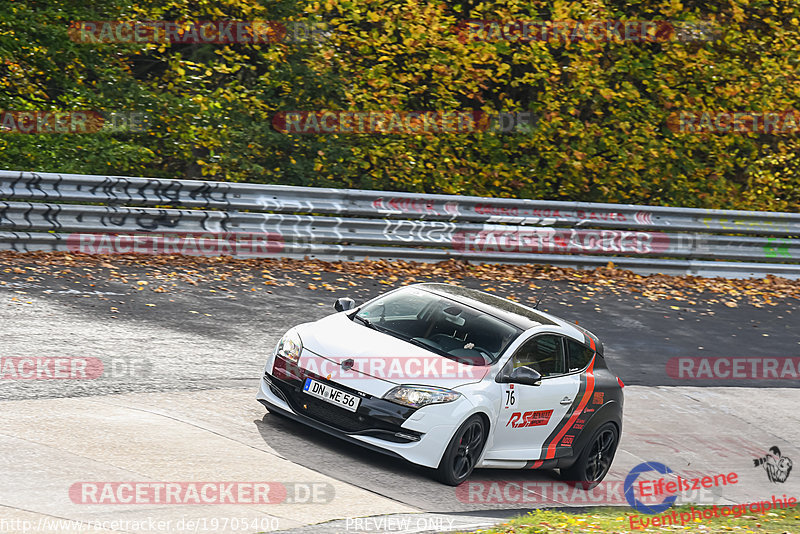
(103,214)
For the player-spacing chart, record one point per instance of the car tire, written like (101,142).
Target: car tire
(595,459)
(462,452)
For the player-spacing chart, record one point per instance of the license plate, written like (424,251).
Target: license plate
(332,395)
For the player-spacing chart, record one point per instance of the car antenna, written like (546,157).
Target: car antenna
(544,292)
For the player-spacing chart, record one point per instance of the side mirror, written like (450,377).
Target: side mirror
(523,375)
(344,304)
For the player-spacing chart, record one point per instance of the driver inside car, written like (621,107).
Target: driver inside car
(543,354)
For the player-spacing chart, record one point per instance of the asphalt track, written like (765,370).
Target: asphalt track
(213,335)
(217,333)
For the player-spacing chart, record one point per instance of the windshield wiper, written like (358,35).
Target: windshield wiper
(366,322)
(424,345)
(431,348)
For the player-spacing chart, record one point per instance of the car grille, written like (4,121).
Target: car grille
(334,416)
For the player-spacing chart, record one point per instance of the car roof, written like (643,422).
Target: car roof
(515,314)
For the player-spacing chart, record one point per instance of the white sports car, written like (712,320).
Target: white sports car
(452,379)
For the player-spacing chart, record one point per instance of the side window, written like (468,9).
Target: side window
(403,307)
(579,356)
(543,353)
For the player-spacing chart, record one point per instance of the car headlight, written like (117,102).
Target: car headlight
(419,396)
(290,346)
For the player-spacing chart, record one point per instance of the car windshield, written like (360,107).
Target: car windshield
(441,325)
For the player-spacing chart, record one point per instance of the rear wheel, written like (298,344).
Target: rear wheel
(462,453)
(593,464)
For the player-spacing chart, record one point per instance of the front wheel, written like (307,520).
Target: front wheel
(462,453)
(593,464)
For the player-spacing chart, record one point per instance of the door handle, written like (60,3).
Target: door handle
(566,400)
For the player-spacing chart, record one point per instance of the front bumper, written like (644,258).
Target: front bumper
(286,412)
(417,435)
(375,417)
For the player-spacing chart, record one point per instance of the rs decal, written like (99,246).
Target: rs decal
(538,418)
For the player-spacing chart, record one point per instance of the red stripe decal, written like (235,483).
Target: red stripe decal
(537,464)
(551,449)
